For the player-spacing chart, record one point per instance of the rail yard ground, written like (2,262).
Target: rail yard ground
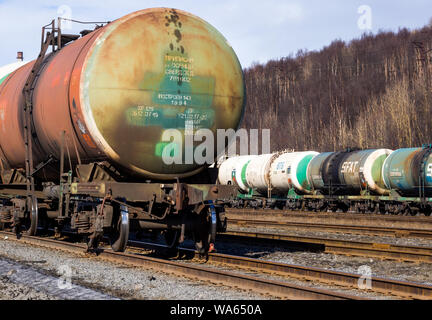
(116,280)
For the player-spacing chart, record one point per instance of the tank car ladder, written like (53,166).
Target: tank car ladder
(47,40)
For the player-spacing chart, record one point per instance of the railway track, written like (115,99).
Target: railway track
(404,289)
(277,289)
(408,222)
(334,246)
(336,228)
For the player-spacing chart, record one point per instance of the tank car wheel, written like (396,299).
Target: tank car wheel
(205,236)
(120,234)
(202,241)
(30,223)
(172,240)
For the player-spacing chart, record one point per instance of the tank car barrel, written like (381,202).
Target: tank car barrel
(118,89)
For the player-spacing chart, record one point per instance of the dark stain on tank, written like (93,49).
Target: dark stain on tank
(182,49)
(171,46)
(173,18)
(180,81)
(178,35)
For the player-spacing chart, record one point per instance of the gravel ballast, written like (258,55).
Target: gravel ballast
(407,271)
(112,279)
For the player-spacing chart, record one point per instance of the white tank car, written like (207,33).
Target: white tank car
(230,171)
(289,170)
(257,172)
(8,69)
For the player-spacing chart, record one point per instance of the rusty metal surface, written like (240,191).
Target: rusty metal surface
(146,191)
(11,117)
(116,90)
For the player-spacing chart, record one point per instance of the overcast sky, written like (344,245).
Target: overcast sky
(258,30)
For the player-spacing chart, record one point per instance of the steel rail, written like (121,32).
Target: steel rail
(335,246)
(409,222)
(264,286)
(338,228)
(293,213)
(405,289)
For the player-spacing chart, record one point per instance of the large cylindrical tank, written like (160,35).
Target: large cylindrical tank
(257,172)
(362,170)
(349,172)
(409,171)
(314,171)
(233,171)
(289,170)
(118,89)
(239,172)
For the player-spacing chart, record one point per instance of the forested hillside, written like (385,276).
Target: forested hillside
(371,92)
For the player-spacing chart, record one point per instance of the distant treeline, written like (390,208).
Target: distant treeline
(372,92)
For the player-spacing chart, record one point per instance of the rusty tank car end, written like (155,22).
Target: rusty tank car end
(82,129)
(117,89)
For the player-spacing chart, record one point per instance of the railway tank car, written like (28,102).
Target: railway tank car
(361,181)
(409,171)
(289,171)
(257,173)
(116,90)
(83,127)
(348,172)
(233,172)
(6,70)
(268,174)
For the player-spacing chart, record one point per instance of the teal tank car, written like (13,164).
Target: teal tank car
(409,171)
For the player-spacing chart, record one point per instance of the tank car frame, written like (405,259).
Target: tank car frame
(394,203)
